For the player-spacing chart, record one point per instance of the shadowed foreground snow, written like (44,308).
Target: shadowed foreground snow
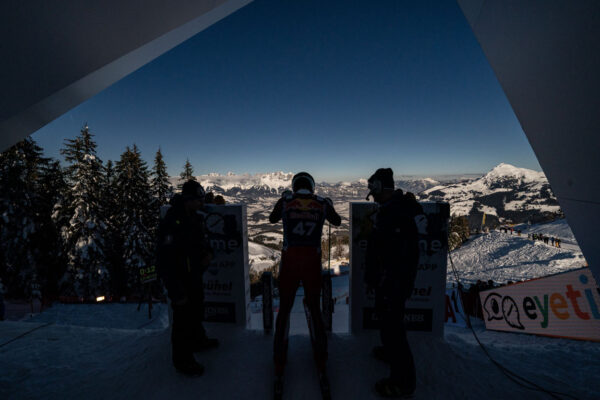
(76,358)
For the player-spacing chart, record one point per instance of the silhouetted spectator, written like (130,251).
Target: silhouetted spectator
(183,255)
(209,198)
(391,268)
(219,200)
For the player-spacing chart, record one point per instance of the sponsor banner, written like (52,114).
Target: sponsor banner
(226,281)
(455,314)
(219,311)
(562,305)
(415,319)
(148,274)
(425,310)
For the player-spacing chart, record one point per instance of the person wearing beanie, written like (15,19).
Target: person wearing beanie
(183,255)
(303,214)
(391,267)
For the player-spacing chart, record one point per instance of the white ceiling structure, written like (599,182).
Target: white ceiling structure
(545,54)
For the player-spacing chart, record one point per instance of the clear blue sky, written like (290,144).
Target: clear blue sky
(337,88)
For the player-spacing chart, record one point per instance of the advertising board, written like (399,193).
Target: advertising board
(426,308)
(227,281)
(562,305)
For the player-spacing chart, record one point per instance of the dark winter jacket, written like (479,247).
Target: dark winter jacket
(393,247)
(182,251)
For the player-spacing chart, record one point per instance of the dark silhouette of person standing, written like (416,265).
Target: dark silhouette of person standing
(391,269)
(183,255)
(303,214)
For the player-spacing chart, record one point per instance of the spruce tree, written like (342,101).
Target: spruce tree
(84,235)
(19,175)
(113,241)
(187,174)
(459,231)
(136,216)
(48,243)
(161,187)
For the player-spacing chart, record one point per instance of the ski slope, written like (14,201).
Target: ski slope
(77,358)
(503,257)
(558,229)
(261,257)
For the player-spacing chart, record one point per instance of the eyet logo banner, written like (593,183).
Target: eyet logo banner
(227,282)
(425,310)
(563,305)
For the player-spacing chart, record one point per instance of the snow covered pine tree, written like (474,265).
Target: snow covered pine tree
(136,218)
(84,236)
(19,173)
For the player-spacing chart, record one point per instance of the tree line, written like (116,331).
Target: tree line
(82,229)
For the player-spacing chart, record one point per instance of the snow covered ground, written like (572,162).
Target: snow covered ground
(261,257)
(101,351)
(340,324)
(76,358)
(503,257)
(558,229)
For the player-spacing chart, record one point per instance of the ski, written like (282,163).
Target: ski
(323,379)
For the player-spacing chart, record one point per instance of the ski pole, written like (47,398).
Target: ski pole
(329,247)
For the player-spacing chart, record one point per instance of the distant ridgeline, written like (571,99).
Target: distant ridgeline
(252,186)
(505,194)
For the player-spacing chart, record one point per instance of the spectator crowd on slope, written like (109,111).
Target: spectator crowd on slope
(549,240)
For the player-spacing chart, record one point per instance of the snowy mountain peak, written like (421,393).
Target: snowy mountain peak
(269,182)
(507,192)
(506,171)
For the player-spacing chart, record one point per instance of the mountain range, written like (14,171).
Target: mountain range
(505,194)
